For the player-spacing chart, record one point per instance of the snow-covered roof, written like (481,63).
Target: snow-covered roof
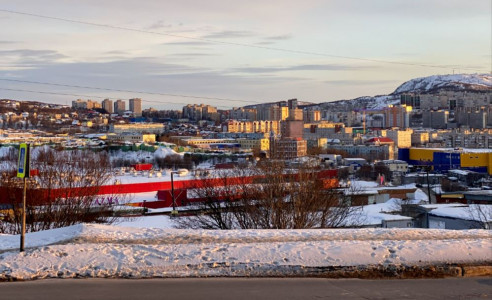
(477,212)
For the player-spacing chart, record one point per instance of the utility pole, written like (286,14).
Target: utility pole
(174,212)
(428,184)
(23,171)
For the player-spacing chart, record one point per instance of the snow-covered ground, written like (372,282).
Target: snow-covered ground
(112,251)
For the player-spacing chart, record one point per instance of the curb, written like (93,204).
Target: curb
(400,271)
(371,272)
(476,271)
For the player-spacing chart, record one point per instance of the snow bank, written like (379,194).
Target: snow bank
(162,152)
(109,251)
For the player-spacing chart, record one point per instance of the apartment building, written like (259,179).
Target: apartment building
(242,114)
(435,119)
(258,144)
(397,116)
(311,116)
(136,106)
(474,117)
(195,112)
(255,126)
(119,107)
(155,128)
(107,104)
(402,138)
(289,148)
(132,137)
(85,104)
(420,138)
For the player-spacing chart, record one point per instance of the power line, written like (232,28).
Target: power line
(128,91)
(237,44)
(90,96)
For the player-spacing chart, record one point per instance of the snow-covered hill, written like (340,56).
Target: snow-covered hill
(365,102)
(429,84)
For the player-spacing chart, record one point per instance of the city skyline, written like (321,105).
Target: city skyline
(219,51)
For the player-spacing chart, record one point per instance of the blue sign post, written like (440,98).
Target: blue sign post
(23,162)
(23,171)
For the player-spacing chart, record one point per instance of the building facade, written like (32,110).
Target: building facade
(107,105)
(289,148)
(119,107)
(136,106)
(155,128)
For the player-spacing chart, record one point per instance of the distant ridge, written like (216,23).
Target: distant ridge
(435,83)
(423,85)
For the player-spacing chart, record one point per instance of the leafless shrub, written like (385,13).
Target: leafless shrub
(268,197)
(481,214)
(63,193)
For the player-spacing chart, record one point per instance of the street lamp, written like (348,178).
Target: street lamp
(174,212)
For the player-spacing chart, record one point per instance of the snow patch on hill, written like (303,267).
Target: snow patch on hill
(430,84)
(451,82)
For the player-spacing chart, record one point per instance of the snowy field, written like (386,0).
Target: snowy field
(136,252)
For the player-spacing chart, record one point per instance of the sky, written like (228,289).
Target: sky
(234,53)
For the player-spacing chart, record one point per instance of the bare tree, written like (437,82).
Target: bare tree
(270,196)
(481,214)
(63,193)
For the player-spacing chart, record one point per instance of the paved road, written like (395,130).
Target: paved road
(248,288)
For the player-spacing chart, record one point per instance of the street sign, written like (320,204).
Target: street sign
(23,163)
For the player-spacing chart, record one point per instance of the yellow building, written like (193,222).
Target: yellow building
(131,137)
(260,144)
(255,126)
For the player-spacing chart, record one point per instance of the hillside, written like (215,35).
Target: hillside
(459,82)
(423,85)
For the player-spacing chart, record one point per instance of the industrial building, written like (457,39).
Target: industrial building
(444,159)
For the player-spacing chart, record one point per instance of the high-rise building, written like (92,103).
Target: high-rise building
(197,112)
(292,128)
(397,116)
(311,116)
(107,105)
(295,114)
(292,103)
(278,113)
(435,119)
(119,107)
(85,104)
(136,106)
(287,148)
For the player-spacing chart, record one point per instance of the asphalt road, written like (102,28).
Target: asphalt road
(248,288)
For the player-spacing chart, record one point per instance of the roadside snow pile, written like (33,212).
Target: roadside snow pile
(109,251)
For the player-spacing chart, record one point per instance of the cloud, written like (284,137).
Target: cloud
(265,43)
(279,37)
(151,75)
(361,82)
(116,52)
(230,34)
(41,54)
(27,58)
(159,25)
(192,54)
(187,43)
(328,67)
